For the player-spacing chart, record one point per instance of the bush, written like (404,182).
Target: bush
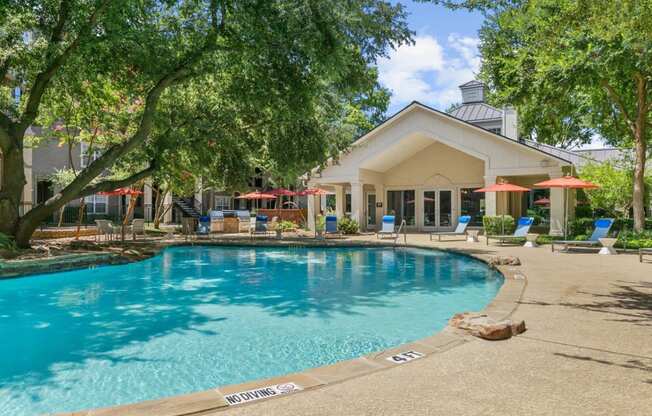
(629,239)
(580,226)
(284,226)
(583,211)
(348,226)
(7,243)
(498,225)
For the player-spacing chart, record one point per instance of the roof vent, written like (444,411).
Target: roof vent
(473,92)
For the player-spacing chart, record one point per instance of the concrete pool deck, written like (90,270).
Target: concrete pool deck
(587,351)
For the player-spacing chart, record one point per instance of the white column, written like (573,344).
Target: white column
(356,203)
(490,197)
(313,211)
(380,200)
(147,200)
(340,201)
(167,206)
(557,200)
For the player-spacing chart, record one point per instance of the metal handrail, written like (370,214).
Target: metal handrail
(403,227)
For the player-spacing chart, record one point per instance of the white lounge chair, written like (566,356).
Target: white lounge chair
(388,227)
(137,227)
(601,230)
(245,221)
(460,230)
(522,228)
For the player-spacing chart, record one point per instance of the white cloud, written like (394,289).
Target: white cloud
(428,72)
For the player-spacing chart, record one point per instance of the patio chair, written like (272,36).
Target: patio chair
(460,230)
(244,223)
(643,252)
(104,228)
(330,225)
(137,227)
(204,225)
(261,226)
(601,230)
(522,228)
(388,227)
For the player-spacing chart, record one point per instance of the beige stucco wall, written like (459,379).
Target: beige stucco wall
(437,165)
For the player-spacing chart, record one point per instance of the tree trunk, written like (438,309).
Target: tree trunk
(82,210)
(639,183)
(11,189)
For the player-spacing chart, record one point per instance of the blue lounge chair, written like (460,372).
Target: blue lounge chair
(204,225)
(260,227)
(601,230)
(522,228)
(330,225)
(460,230)
(388,228)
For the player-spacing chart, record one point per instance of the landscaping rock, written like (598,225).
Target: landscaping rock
(481,326)
(504,261)
(85,245)
(518,327)
(494,332)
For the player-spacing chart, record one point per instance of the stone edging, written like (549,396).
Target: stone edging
(209,401)
(19,268)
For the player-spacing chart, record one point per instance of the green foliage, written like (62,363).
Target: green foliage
(539,214)
(192,89)
(347,225)
(614,194)
(583,210)
(634,240)
(498,225)
(285,226)
(7,243)
(320,224)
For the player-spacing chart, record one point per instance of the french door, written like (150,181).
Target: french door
(437,209)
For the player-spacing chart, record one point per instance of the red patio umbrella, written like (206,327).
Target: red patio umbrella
(566,182)
(313,191)
(542,201)
(121,191)
(280,193)
(502,187)
(256,195)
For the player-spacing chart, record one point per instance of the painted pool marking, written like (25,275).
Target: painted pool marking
(242,397)
(405,356)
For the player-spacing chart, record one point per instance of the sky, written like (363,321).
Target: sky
(444,55)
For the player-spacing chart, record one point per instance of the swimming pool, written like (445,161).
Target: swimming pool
(193,318)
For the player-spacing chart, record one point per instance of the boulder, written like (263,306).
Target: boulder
(518,327)
(494,332)
(504,261)
(482,326)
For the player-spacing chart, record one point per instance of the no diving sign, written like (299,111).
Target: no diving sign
(404,357)
(261,393)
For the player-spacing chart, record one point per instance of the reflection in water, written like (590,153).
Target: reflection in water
(194,318)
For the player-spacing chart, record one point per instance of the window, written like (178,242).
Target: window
(401,204)
(222,203)
(96,204)
(347,205)
(85,157)
(495,130)
(472,204)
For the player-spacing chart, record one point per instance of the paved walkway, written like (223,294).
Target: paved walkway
(587,351)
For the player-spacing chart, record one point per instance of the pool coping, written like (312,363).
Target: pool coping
(214,400)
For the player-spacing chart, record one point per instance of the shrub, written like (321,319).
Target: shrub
(320,224)
(285,225)
(583,211)
(348,226)
(7,243)
(498,225)
(629,239)
(580,226)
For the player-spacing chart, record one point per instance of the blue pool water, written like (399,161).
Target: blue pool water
(194,318)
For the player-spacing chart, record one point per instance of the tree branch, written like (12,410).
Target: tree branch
(110,185)
(617,100)
(43,78)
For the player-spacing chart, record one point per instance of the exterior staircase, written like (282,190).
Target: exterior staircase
(186,206)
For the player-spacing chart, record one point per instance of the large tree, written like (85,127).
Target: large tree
(209,86)
(576,68)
